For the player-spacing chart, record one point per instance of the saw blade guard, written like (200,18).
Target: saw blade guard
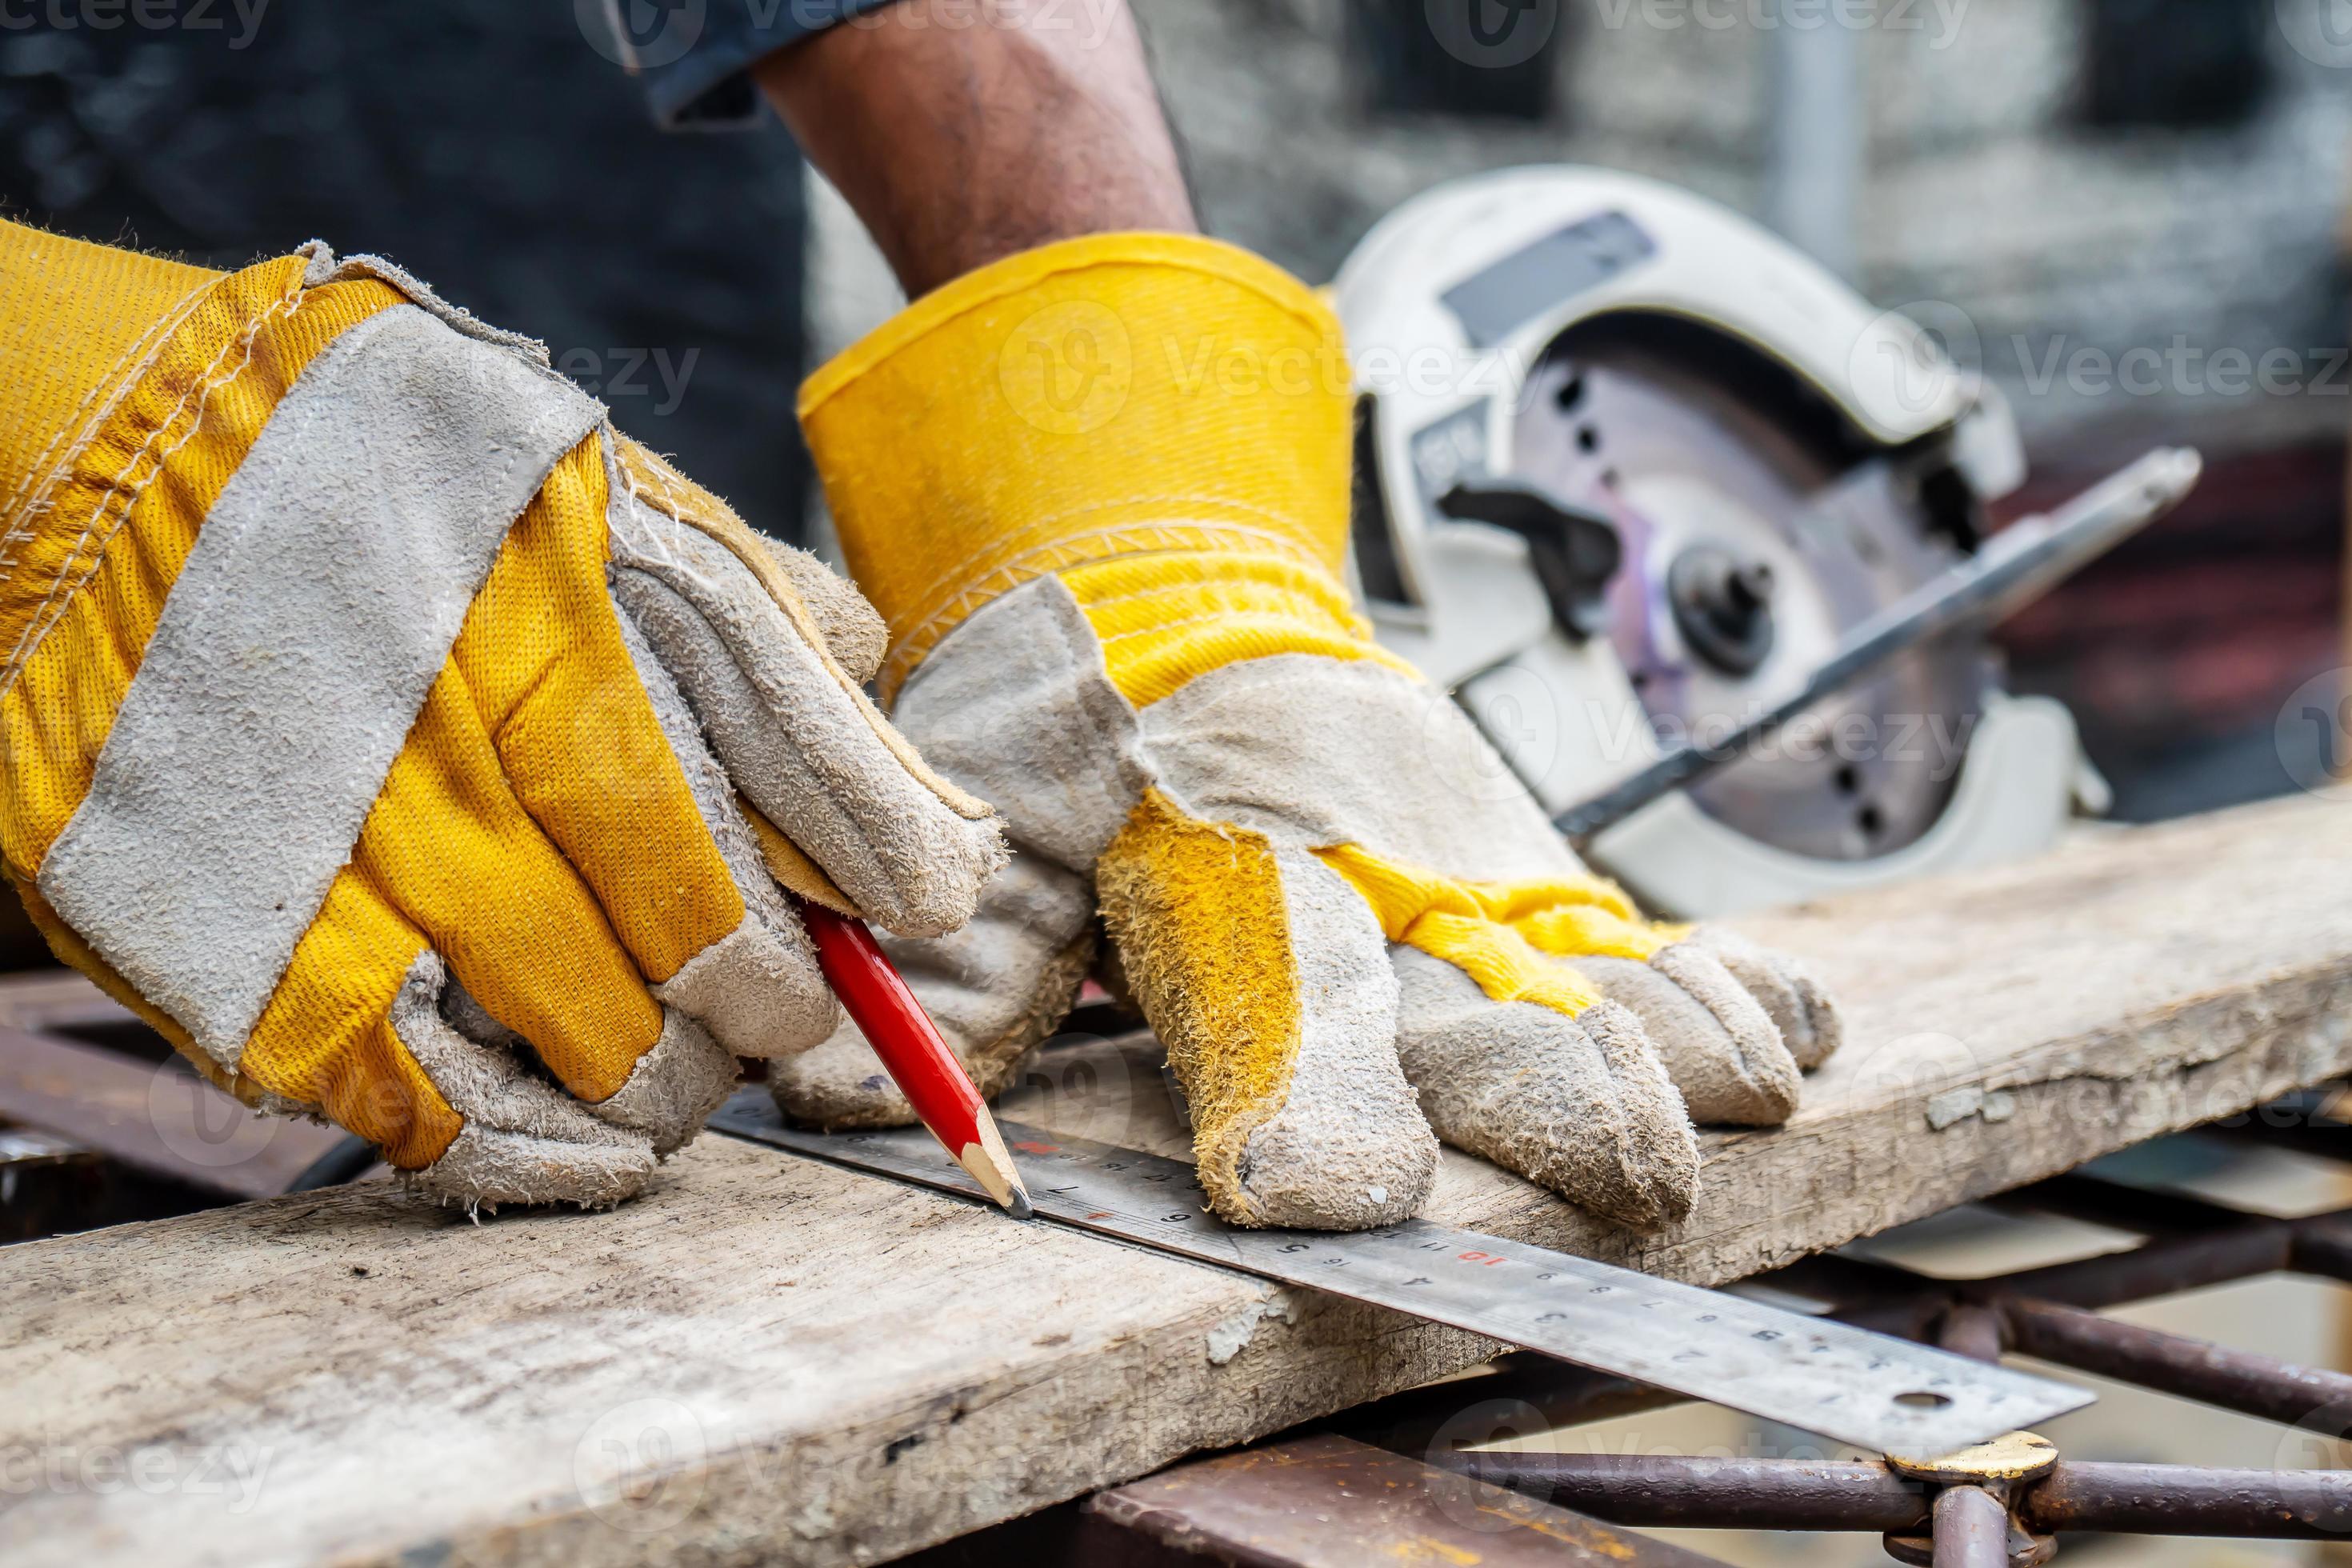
(1778,461)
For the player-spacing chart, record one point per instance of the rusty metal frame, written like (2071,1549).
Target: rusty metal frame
(1978,1509)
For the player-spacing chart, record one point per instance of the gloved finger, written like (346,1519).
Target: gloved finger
(1719,1035)
(599,748)
(1268,980)
(797,736)
(355,1029)
(1718,1045)
(995,988)
(523,1141)
(1516,1057)
(668,1096)
(1807,1018)
(451,848)
(1576,1102)
(852,629)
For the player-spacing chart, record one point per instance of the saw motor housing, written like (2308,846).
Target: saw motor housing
(1628,466)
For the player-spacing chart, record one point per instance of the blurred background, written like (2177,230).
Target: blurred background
(2131,216)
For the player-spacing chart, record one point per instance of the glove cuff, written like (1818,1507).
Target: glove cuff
(1115,395)
(77,320)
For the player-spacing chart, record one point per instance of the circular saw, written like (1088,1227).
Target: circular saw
(1633,475)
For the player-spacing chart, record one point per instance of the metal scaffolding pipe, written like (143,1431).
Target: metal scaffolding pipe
(2176,1364)
(1971,1529)
(1670,1489)
(2178,1499)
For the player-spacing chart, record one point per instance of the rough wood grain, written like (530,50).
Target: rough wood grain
(768,1360)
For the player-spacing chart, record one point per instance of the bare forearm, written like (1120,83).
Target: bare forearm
(962,144)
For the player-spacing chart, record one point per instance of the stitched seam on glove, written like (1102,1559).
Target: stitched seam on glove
(119,493)
(1163,620)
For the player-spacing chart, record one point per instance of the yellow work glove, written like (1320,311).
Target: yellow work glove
(1100,493)
(407,746)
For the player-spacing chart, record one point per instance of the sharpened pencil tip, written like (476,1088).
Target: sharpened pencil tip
(1019,1207)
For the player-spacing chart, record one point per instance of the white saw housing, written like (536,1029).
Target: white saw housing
(1644,355)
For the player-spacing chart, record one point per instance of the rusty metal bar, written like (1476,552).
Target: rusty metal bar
(2119,1206)
(1971,1529)
(2322,1246)
(1972,1330)
(2165,1265)
(1667,1490)
(2175,1500)
(1673,1491)
(2176,1364)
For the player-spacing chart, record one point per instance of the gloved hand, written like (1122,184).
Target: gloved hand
(1100,493)
(375,717)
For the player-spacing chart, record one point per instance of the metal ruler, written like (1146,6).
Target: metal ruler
(1874,1392)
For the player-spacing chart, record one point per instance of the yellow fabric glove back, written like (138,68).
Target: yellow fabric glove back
(1100,493)
(406,743)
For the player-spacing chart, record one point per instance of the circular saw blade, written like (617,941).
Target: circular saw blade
(1698,457)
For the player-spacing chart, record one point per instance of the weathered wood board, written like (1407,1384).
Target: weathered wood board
(769,1361)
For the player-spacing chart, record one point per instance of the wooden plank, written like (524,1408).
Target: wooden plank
(769,1360)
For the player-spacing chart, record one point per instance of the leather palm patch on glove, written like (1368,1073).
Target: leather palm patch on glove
(1355,933)
(409,746)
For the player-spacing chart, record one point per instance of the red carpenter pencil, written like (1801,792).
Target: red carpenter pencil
(909,1043)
